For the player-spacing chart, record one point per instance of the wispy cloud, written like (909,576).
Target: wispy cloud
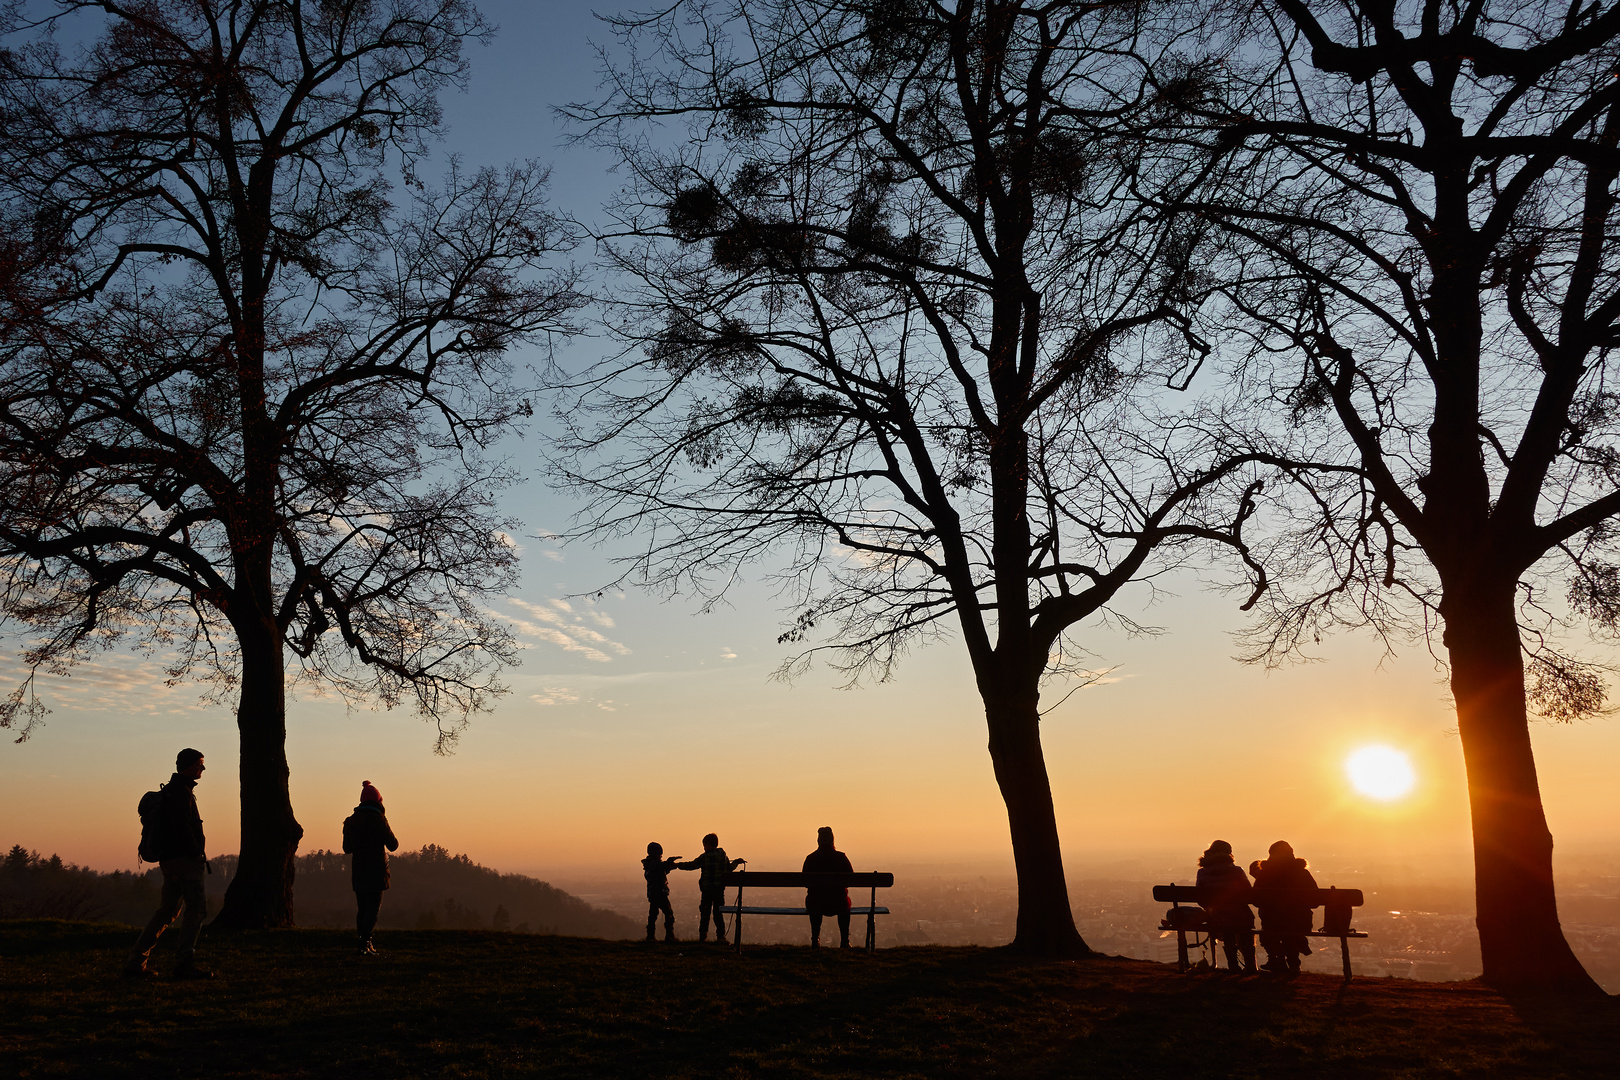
(555,695)
(130,683)
(556,623)
(564,695)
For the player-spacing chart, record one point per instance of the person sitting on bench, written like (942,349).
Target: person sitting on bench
(820,902)
(1279,883)
(1223,892)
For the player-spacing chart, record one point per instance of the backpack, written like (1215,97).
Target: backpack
(1186,918)
(151,811)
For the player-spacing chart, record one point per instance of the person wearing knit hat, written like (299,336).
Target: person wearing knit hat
(1223,892)
(365,834)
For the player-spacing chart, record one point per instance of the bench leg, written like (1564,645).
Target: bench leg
(871,923)
(1181,951)
(1344,951)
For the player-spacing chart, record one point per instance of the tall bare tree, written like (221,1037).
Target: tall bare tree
(244,398)
(1422,198)
(887,306)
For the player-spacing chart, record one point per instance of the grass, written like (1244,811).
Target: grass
(296,1003)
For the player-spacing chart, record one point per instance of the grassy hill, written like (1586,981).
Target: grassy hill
(484,1004)
(432,889)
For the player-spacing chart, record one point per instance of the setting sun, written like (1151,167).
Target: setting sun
(1380,772)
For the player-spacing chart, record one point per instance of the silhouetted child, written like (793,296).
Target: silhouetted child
(1284,891)
(655,868)
(712,894)
(1223,893)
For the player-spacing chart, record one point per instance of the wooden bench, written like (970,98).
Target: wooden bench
(1334,902)
(766,879)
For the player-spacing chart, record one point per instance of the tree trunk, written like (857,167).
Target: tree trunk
(261,894)
(1045,921)
(1520,938)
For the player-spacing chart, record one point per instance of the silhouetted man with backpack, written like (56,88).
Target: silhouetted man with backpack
(172,837)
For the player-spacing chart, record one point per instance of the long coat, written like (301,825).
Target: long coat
(1223,891)
(1283,891)
(821,900)
(365,834)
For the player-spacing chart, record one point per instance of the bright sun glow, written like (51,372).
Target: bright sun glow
(1380,772)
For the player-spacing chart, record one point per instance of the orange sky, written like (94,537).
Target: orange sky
(678,730)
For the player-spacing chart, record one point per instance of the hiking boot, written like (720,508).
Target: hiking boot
(192,971)
(367,948)
(721,940)
(670,939)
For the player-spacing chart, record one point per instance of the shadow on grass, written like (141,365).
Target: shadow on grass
(37,937)
(482,1004)
(1569,1023)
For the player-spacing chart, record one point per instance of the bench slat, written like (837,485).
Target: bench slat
(782,879)
(749,910)
(1256,930)
(1188,894)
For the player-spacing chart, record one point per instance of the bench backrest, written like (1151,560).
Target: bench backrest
(1330,897)
(782,879)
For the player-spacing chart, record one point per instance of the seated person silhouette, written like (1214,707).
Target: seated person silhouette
(1223,893)
(821,902)
(1283,890)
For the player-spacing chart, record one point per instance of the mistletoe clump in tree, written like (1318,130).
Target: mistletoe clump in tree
(896,318)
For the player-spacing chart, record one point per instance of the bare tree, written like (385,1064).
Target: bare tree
(888,310)
(1422,202)
(244,398)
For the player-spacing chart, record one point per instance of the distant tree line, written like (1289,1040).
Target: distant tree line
(33,886)
(432,889)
